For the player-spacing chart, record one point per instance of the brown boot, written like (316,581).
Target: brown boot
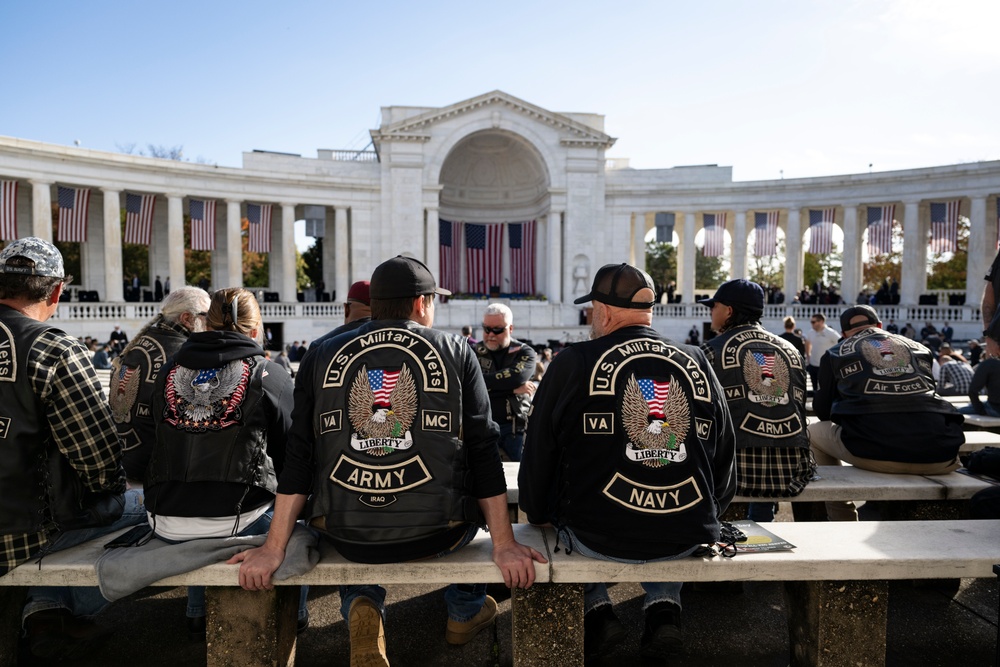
(367,635)
(463,633)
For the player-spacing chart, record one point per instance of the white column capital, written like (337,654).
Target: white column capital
(40,182)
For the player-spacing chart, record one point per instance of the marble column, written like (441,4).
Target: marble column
(914,272)
(432,251)
(981,250)
(739,246)
(113,267)
(233,247)
(555,258)
(793,253)
(852,273)
(175,240)
(342,267)
(686,260)
(285,285)
(639,240)
(41,209)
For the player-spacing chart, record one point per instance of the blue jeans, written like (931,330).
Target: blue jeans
(196,594)
(463,600)
(988,409)
(596,595)
(511,443)
(82,600)
(761,512)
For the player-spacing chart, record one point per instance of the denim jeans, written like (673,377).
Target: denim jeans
(761,512)
(511,443)
(196,594)
(596,595)
(463,600)
(82,600)
(988,410)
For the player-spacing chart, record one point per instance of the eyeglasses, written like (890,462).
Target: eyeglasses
(494,330)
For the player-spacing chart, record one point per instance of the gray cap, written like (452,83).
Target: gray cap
(47,258)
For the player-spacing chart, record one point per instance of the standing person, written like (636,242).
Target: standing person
(947,333)
(467,334)
(795,339)
(135,372)
(878,409)
(818,339)
(61,472)
(415,401)
(158,290)
(118,340)
(507,365)
(221,414)
(166,286)
(765,387)
(892,327)
(694,338)
(618,421)
(357,310)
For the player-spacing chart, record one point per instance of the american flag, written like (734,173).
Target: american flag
(766,363)
(880,229)
(655,394)
(765,226)
(521,237)
(715,234)
(382,384)
(74,205)
(202,224)
(138,218)
(821,231)
(449,238)
(259,217)
(944,226)
(884,346)
(483,256)
(8,210)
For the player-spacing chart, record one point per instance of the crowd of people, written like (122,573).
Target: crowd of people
(205,438)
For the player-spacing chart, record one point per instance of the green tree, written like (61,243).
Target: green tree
(661,262)
(769,270)
(947,270)
(709,272)
(312,269)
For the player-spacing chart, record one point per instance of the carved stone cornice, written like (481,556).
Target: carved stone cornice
(581,135)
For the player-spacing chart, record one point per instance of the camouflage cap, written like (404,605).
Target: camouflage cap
(47,258)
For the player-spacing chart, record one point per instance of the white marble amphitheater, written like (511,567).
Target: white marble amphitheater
(492,158)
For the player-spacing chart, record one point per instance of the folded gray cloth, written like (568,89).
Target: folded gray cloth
(121,572)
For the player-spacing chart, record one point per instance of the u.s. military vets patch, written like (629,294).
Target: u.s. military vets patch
(657,418)
(767,378)
(887,357)
(207,398)
(8,355)
(382,405)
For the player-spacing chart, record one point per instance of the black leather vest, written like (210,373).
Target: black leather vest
(881,372)
(765,386)
(133,377)
(38,484)
(388,421)
(225,443)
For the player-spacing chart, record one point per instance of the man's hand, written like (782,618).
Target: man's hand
(257,566)
(526,388)
(992,349)
(517,563)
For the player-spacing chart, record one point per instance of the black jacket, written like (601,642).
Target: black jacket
(630,445)
(505,371)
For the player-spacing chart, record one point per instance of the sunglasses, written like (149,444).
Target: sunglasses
(494,330)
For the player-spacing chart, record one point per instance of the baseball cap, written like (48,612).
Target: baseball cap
(854,312)
(616,284)
(47,258)
(402,277)
(739,292)
(359,292)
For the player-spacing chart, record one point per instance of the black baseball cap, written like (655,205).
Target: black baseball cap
(853,313)
(402,277)
(739,292)
(616,284)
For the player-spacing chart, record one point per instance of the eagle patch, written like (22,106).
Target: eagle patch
(767,378)
(125,382)
(657,418)
(887,357)
(382,405)
(207,398)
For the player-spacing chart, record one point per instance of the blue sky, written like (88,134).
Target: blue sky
(803,88)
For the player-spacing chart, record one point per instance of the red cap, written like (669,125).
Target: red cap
(359,292)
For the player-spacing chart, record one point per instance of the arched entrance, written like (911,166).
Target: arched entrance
(494,194)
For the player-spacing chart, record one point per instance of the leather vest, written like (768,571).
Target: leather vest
(519,360)
(765,386)
(38,483)
(880,372)
(133,378)
(223,442)
(388,420)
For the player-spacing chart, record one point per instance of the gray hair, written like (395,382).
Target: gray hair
(500,309)
(186,299)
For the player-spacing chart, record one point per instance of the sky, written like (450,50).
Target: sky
(771,88)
